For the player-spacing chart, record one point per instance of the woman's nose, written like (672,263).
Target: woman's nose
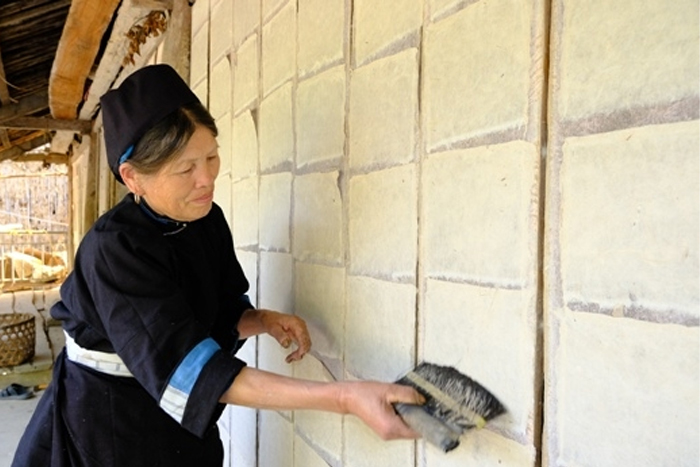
(206,175)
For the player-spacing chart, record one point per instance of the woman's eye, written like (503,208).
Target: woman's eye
(187,171)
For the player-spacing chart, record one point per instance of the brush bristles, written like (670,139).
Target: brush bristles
(453,397)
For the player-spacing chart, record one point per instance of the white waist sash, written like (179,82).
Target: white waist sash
(104,362)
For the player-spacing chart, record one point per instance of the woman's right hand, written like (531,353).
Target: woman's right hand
(372,402)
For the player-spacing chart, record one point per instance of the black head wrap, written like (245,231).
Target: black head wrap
(144,98)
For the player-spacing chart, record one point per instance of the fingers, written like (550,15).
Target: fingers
(393,427)
(302,340)
(403,431)
(373,403)
(288,330)
(295,356)
(280,334)
(398,393)
(405,394)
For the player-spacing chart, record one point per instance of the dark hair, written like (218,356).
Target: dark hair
(167,138)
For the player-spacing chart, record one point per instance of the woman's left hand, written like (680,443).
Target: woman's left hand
(287,330)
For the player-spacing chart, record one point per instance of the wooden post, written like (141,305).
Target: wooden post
(176,45)
(5,100)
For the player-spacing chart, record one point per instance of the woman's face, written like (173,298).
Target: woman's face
(183,189)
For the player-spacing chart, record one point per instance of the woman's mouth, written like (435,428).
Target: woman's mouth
(208,198)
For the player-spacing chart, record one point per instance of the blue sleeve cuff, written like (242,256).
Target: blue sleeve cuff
(177,393)
(204,408)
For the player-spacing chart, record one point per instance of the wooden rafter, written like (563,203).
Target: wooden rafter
(28,139)
(4,90)
(113,57)
(47,124)
(18,150)
(85,25)
(26,106)
(5,138)
(110,69)
(32,14)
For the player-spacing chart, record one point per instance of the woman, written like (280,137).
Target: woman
(155,309)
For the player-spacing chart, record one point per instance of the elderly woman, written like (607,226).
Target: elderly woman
(155,309)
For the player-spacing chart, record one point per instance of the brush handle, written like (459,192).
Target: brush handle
(433,430)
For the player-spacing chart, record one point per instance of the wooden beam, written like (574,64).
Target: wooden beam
(154,4)
(28,138)
(12,153)
(111,61)
(36,175)
(85,25)
(62,141)
(110,64)
(144,56)
(28,105)
(49,158)
(48,124)
(18,151)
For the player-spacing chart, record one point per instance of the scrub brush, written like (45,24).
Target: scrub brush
(454,404)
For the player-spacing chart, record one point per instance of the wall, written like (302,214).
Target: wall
(376,187)
(432,180)
(622,238)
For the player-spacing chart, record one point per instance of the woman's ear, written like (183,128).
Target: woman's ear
(130,178)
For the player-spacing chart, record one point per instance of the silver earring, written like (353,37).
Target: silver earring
(137,198)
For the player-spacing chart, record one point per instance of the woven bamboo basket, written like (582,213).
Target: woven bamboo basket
(17,338)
